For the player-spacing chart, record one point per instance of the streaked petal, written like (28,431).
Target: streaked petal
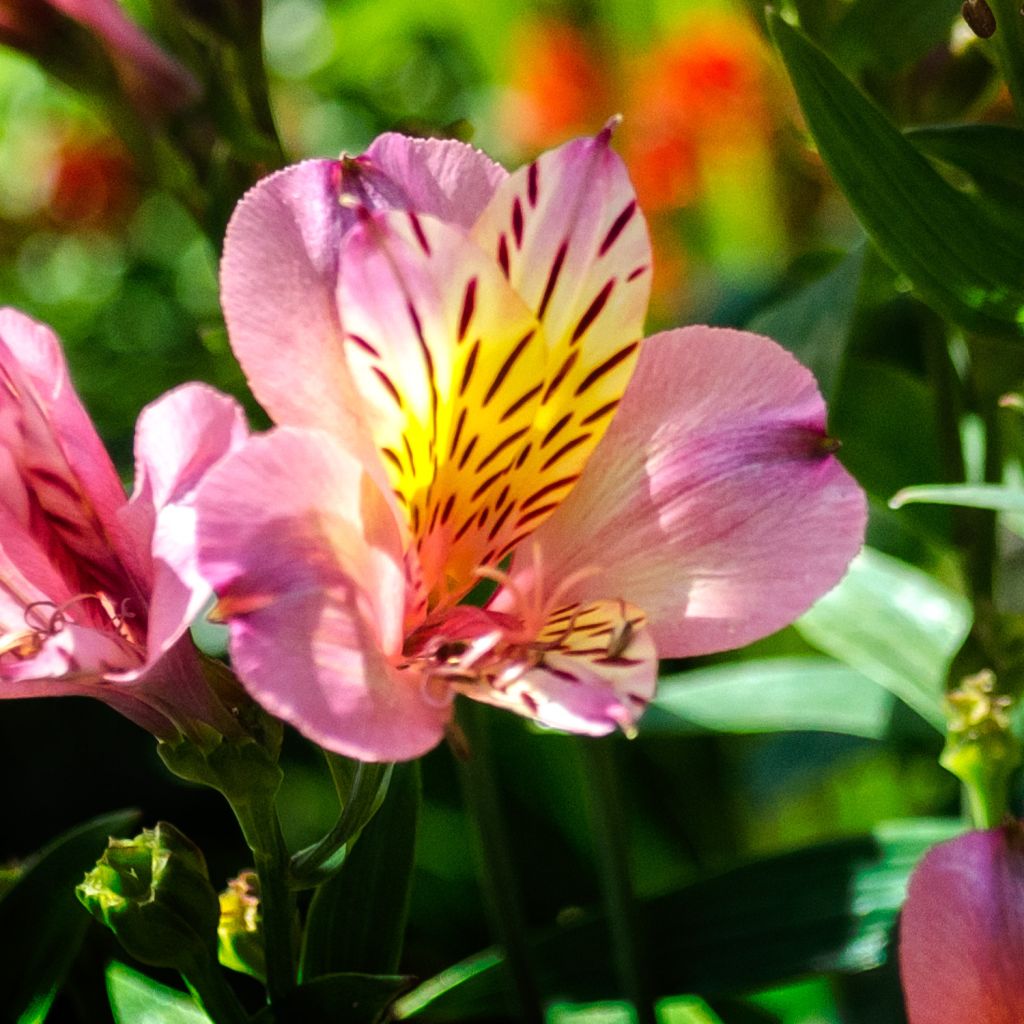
(305,556)
(712,502)
(280,266)
(178,439)
(450,363)
(69,491)
(575,246)
(596,671)
(442,177)
(962,931)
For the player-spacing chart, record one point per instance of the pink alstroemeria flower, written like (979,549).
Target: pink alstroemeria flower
(96,591)
(454,357)
(962,931)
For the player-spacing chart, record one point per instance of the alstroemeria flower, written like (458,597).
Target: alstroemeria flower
(96,591)
(454,357)
(962,931)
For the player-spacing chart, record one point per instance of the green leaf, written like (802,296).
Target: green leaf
(961,259)
(826,908)
(814,322)
(989,153)
(356,920)
(997,497)
(42,924)
(1008,44)
(770,695)
(352,998)
(896,625)
(887,35)
(137,999)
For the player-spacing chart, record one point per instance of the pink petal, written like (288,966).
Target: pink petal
(597,673)
(443,177)
(450,364)
(278,279)
(60,459)
(306,557)
(575,247)
(712,502)
(568,227)
(280,266)
(962,931)
(156,79)
(178,440)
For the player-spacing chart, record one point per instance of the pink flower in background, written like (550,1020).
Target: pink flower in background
(454,357)
(154,80)
(96,591)
(962,931)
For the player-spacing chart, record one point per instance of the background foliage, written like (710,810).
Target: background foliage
(776,798)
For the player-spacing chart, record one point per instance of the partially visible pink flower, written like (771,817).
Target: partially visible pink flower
(962,931)
(154,80)
(454,355)
(97,591)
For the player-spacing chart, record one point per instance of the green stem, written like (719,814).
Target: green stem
(262,830)
(610,830)
(495,866)
(214,995)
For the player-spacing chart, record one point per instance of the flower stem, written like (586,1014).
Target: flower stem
(262,831)
(214,995)
(495,866)
(610,831)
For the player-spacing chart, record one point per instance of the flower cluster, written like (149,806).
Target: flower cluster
(454,360)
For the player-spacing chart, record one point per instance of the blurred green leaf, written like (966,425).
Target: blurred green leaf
(826,908)
(814,322)
(989,153)
(896,625)
(992,496)
(136,998)
(687,1010)
(1008,44)
(42,924)
(961,259)
(887,35)
(356,920)
(770,695)
(352,998)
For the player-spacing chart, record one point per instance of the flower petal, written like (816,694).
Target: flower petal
(442,177)
(69,492)
(278,279)
(574,244)
(178,439)
(712,502)
(280,266)
(596,673)
(962,931)
(450,363)
(305,555)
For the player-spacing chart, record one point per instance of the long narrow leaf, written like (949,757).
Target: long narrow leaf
(961,259)
(42,925)
(826,908)
(357,917)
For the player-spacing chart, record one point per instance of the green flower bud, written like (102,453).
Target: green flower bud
(240,931)
(154,893)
